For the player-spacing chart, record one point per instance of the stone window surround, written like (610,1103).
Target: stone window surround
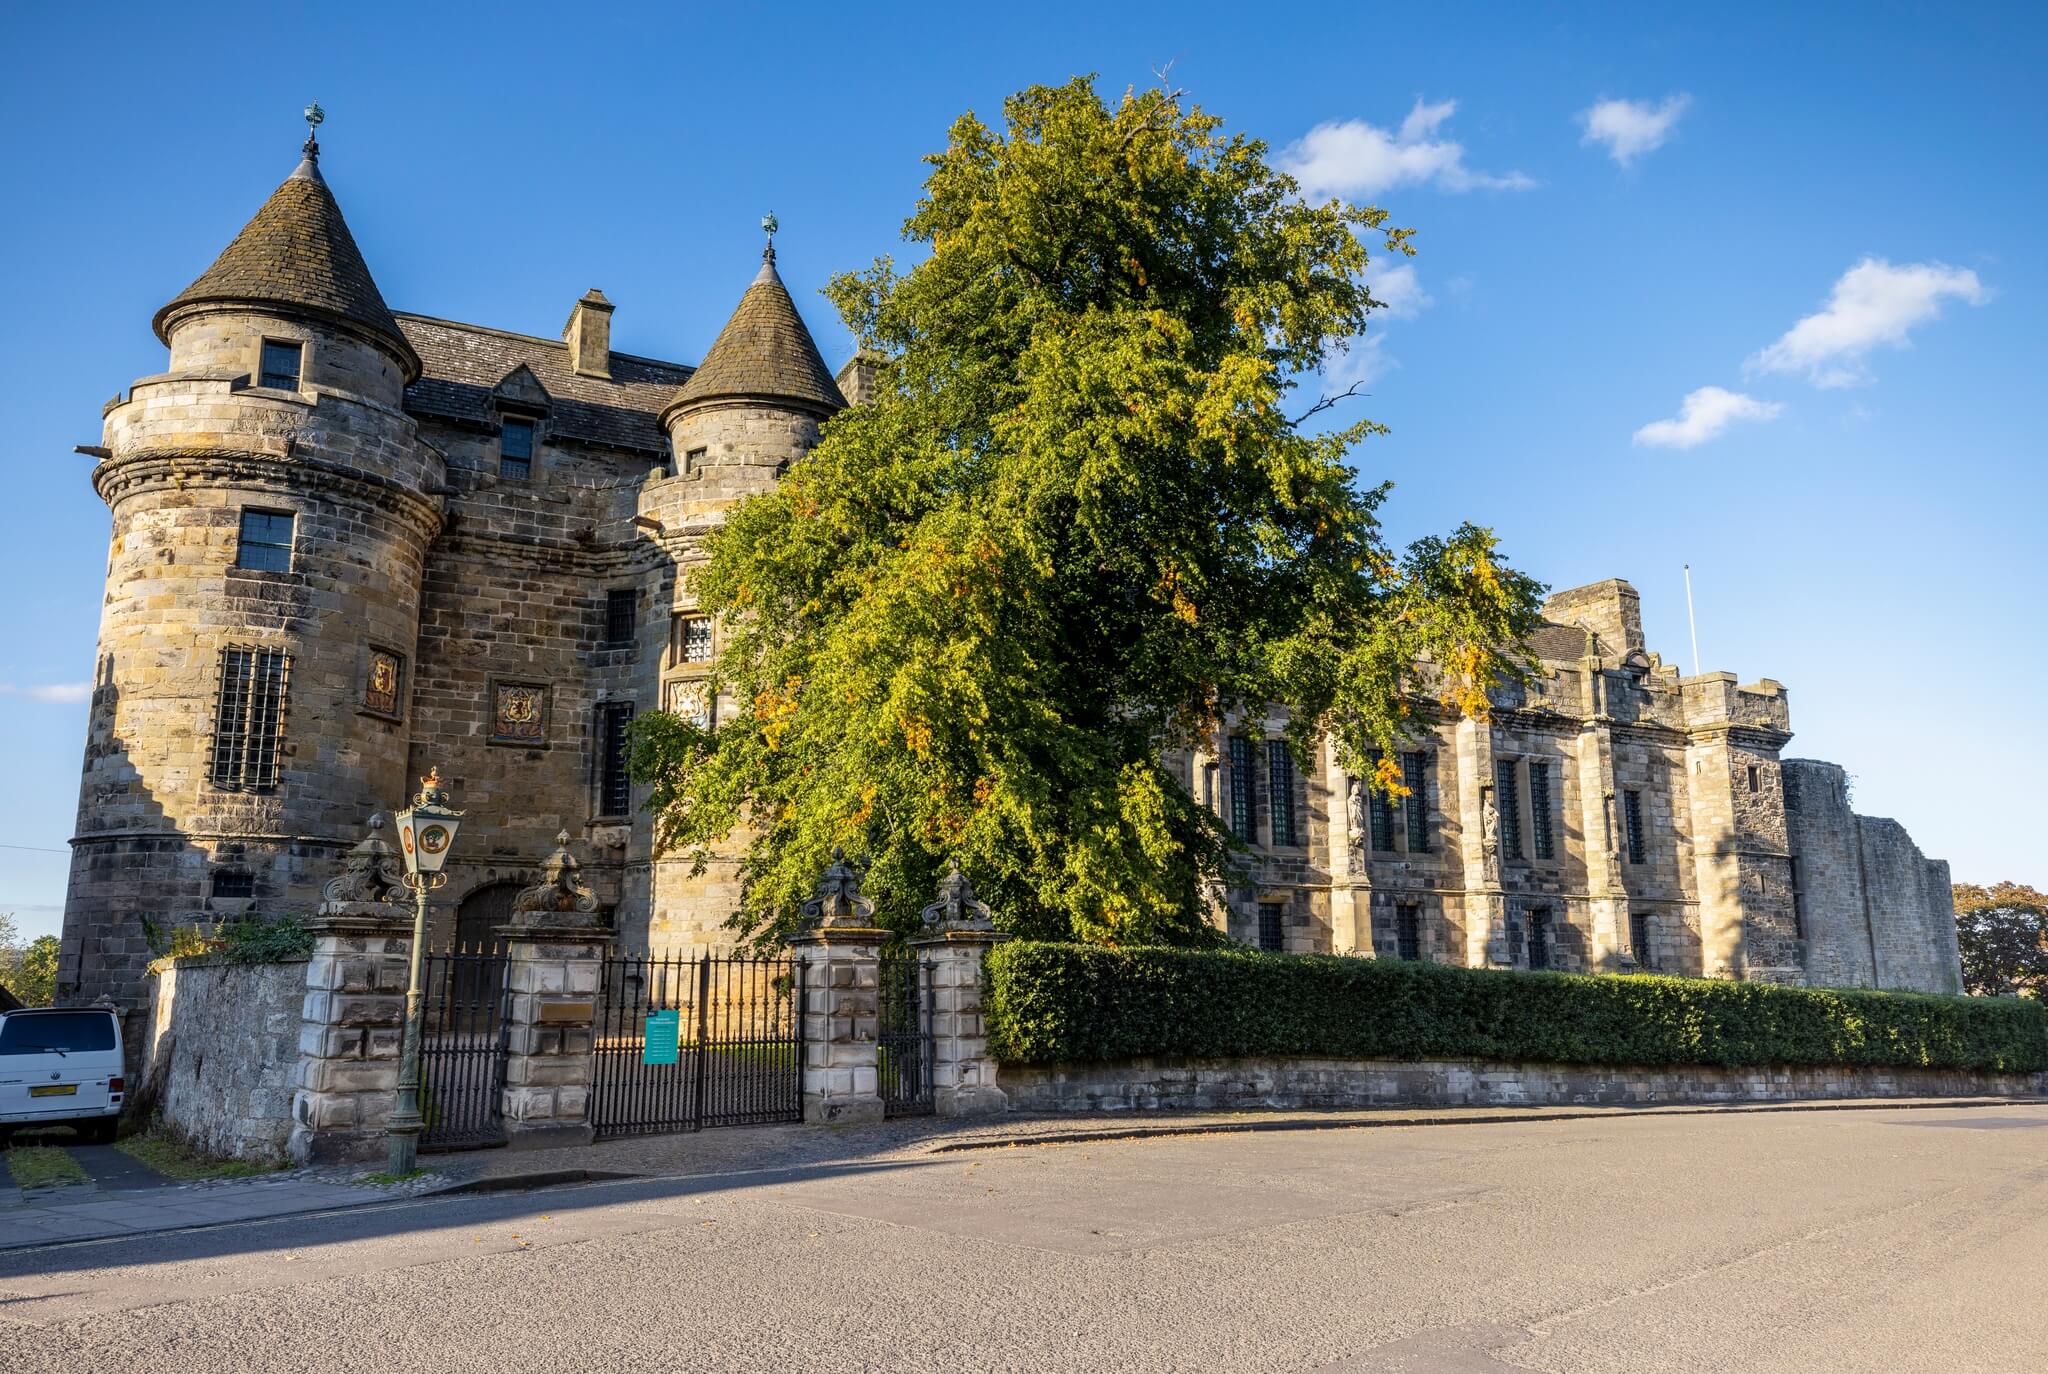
(602,712)
(291,568)
(258,376)
(363,680)
(547,712)
(508,411)
(1522,811)
(677,637)
(308,351)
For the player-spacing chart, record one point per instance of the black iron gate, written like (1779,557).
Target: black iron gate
(737,1033)
(462,1047)
(904,1033)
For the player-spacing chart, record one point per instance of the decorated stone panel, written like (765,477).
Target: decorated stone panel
(519,712)
(383,681)
(690,698)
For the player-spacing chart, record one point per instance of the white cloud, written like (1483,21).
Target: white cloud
(1873,303)
(1702,415)
(49,691)
(1358,362)
(1354,159)
(1631,128)
(1399,289)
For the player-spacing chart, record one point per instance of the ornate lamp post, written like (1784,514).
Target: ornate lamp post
(426,832)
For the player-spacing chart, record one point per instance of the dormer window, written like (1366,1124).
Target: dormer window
(515,450)
(282,361)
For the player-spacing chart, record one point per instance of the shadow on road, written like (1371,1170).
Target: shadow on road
(302,1230)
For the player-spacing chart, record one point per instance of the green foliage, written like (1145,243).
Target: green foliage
(1051,1003)
(179,1159)
(29,971)
(2002,933)
(249,939)
(1076,526)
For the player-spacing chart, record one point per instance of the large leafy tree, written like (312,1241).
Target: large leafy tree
(29,971)
(2002,931)
(1085,519)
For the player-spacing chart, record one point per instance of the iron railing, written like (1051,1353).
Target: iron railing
(739,1051)
(462,1047)
(904,1035)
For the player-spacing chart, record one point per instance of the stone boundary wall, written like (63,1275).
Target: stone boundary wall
(1170,1084)
(221,1051)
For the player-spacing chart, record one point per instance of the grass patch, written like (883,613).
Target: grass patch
(173,1159)
(381,1179)
(44,1166)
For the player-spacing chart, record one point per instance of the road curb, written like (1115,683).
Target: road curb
(1613,1113)
(521,1183)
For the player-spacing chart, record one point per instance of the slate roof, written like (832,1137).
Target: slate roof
(1558,643)
(297,252)
(764,351)
(463,363)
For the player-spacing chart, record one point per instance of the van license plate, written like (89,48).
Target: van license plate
(55,1090)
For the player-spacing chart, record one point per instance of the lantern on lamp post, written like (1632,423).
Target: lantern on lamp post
(426,832)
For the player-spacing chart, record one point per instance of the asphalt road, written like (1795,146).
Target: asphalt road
(1858,1240)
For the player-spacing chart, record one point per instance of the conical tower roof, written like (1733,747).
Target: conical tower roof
(297,252)
(763,353)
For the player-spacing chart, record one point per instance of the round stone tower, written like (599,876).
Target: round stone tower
(271,513)
(755,406)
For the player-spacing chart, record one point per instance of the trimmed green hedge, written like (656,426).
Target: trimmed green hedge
(1054,1003)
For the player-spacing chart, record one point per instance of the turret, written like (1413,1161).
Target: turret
(755,406)
(756,403)
(271,515)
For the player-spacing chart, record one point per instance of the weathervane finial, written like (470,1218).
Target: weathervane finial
(769,224)
(315,116)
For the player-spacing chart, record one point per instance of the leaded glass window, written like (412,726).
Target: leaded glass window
(621,612)
(515,450)
(1415,773)
(1280,779)
(1271,936)
(689,639)
(1379,808)
(264,542)
(281,364)
(1241,813)
(1632,814)
(1408,933)
(1541,832)
(614,782)
(1509,802)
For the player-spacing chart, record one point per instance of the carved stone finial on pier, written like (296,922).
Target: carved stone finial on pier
(559,898)
(371,877)
(839,901)
(957,908)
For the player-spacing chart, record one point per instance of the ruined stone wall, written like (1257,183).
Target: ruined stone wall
(1876,912)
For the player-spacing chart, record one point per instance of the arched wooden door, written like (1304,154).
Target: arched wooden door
(482,912)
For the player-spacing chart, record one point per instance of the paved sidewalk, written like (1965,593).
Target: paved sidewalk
(91,1212)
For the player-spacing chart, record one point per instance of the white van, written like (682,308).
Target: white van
(61,1066)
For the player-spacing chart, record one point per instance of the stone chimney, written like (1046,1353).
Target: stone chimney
(857,379)
(1611,609)
(589,335)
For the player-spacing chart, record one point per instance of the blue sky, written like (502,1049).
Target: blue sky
(1819,223)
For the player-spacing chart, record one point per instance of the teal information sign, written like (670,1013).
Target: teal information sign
(664,1037)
